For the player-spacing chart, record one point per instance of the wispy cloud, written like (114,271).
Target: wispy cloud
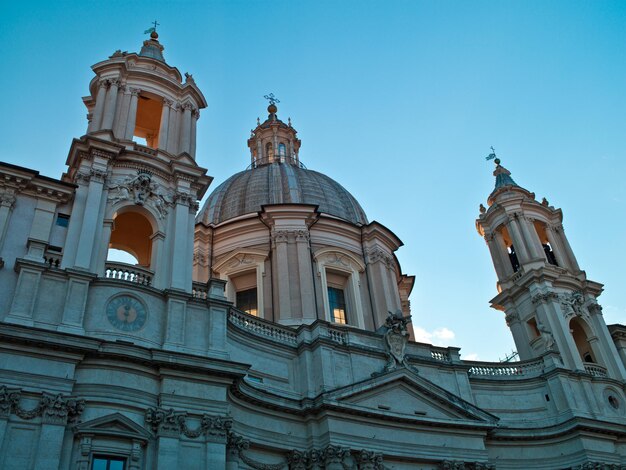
(439,336)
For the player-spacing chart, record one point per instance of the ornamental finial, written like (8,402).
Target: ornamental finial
(492,156)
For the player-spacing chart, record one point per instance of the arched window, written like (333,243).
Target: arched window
(244,271)
(579,330)
(339,272)
(269,151)
(282,151)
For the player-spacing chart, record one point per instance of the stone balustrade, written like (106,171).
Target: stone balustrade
(200,291)
(260,327)
(128,273)
(507,370)
(595,369)
(439,354)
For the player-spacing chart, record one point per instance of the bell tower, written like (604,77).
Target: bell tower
(549,303)
(138,184)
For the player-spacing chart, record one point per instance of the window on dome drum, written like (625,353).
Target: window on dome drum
(104,462)
(337,303)
(282,151)
(148,120)
(246,300)
(269,151)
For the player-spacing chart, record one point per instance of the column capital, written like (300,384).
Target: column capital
(134,91)
(7,198)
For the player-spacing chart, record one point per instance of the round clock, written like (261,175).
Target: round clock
(126,313)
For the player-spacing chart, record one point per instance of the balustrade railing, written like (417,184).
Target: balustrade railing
(525,369)
(440,354)
(128,273)
(262,327)
(595,369)
(200,290)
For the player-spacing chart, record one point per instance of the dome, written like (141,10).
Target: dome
(279,183)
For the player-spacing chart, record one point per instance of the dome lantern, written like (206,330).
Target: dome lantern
(273,140)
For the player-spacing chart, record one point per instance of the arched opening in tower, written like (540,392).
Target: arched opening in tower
(132,234)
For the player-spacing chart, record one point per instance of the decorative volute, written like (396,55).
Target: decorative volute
(140,99)
(551,307)
(273,140)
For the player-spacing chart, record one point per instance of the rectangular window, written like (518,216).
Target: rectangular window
(337,304)
(104,462)
(247,301)
(63,220)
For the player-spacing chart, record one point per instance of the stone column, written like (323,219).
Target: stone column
(281,269)
(180,241)
(48,453)
(305,271)
(215,455)
(504,254)
(173,130)
(185,138)
(534,246)
(167,450)
(132,113)
(103,252)
(605,344)
(96,120)
(84,252)
(520,335)
(195,115)
(75,301)
(109,106)
(564,242)
(556,247)
(40,229)
(518,240)
(259,150)
(498,262)
(7,202)
(157,261)
(165,120)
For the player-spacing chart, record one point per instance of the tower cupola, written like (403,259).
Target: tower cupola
(273,140)
(137,99)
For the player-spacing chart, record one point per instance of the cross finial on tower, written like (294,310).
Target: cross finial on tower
(271,98)
(492,156)
(153,28)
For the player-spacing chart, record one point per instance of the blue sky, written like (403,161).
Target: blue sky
(397,100)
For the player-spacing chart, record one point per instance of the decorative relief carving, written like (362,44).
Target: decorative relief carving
(544,297)
(547,336)
(337,259)
(97,175)
(573,305)
(396,338)
(598,466)
(367,460)
(460,465)
(140,190)
(241,260)
(7,198)
(54,409)
(511,317)
(200,258)
(302,235)
(172,422)
(280,236)
(375,255)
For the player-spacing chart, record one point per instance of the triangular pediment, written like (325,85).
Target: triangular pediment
(113,425)
(405,394)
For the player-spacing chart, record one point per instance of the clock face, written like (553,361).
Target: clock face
(126,313)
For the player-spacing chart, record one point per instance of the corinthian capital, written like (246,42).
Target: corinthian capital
(7,198)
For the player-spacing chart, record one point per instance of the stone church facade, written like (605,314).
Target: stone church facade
(270,329)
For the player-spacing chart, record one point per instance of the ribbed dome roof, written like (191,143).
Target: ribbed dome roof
(279,183)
